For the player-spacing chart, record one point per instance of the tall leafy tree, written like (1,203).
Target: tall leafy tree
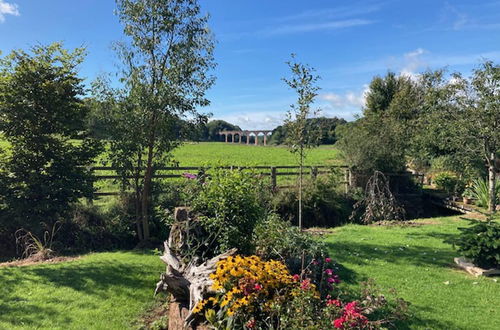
(166,71)
(303,81)
(380,140)
(41,112)
(461,117)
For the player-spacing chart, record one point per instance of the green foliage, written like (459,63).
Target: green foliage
(449,182)
(460,119)
(380,141)
(479,191)
(44,172)
(275,238)
(480,242)
(326,126)
(230,205)
(323,204)
(213,128)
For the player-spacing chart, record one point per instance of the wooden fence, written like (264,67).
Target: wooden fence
(273,172)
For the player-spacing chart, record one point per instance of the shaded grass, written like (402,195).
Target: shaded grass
(418,264)
(98,291)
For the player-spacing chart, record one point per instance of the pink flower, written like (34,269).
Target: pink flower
(296,277)
(328,259)
(189,176)
(329,271)
(258,287)
(315,262)
(339,323)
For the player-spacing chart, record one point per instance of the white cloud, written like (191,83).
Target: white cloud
(347,100)
(255,120)
(300,28)
(7,9)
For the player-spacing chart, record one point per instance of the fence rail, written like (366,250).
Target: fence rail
(267,171)
(271,172)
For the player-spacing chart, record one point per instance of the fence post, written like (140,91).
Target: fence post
(314,172)
(273,178)
(347,179)
(90,200)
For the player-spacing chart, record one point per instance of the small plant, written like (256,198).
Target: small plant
(35,248)
(479,191)
(480,242)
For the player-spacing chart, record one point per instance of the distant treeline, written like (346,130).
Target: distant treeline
(208,131)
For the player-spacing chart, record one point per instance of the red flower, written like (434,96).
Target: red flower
(250,324)
(296,277)
(258,287)
(305,284)
(333,302)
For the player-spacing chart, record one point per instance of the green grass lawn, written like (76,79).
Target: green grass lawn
(98,291)
(419,265)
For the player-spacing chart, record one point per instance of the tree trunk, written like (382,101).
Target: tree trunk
(146,191)
(492,182)
(188,283)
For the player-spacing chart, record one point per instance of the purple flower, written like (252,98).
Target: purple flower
(189,176)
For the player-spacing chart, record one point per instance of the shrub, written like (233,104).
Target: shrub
(479,191)
(275,238)
(449,182)
(229,205)
(323,204)
(480,243)
(89,229)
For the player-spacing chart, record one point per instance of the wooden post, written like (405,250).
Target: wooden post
(273,178)
(314,172)
(347,179)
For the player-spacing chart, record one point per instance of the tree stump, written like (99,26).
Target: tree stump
(187,281)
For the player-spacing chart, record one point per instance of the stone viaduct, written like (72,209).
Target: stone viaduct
(230,136)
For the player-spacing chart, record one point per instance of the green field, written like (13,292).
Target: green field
(214,153)
(419,265)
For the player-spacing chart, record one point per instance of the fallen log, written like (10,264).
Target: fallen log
(187,281)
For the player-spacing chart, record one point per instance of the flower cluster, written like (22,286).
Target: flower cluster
(243,282)
(351,317)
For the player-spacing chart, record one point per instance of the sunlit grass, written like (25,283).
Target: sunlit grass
(98,291)
(416,262)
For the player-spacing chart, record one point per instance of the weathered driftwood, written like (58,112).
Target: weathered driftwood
(187,282)
(475,270)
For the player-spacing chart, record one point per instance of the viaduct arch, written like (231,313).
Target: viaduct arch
(230,136)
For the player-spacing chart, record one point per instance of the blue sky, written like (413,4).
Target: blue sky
(348,42)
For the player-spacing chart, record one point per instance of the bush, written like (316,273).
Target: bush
(277,239)
(229,205)
(480,243)
(449,182)
(89,229)
(323,205)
